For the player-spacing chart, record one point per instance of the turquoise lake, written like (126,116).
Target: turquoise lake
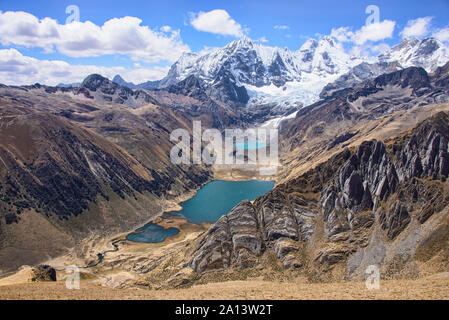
(213,200)
(218,198)
(151,233)
(249,145)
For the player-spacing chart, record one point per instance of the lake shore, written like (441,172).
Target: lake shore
(102,253)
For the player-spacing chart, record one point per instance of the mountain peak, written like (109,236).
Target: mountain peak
(120,81)
(409,40)
(117,79)
(94,81)
(243,42)
(327,40)
(428,53)
(310,44)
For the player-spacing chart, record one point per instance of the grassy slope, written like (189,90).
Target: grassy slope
(436,287)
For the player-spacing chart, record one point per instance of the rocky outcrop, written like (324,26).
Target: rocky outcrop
(394,220)
(100,90)
(42,272)
(425,153)
(234,239)
(330,213)
(240,237)
(227,91)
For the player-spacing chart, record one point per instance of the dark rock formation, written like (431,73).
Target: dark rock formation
(43,273)
(394,220)
(226,91)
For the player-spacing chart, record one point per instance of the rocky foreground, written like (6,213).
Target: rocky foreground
(430,288)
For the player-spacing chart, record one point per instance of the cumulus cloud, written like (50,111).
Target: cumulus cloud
(417,28)
(421,27)
(372,32)
(380,48)
(124,36)
(364,41)
(342,34)
(442,34)
(166,29)
(141,74)
(17,69)
(281,27)
(216,21)
(22,28)
(369,49)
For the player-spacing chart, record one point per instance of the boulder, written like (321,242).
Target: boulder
(43,273)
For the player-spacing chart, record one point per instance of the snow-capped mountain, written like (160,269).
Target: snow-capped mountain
(285,78)
(270,74)
(411,52)
(253,63)
(428,54)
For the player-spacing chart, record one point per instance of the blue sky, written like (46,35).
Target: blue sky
(295,20)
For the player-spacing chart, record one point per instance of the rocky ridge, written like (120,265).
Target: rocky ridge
(330,215)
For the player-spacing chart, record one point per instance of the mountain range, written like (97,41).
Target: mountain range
(363,176)
(281,76)
(270,83)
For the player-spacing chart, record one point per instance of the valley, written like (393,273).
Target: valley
(87,178)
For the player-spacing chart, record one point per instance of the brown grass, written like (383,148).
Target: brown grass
(436,287)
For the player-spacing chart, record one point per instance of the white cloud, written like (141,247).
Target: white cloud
(442,34)
(363,42)
(281,27)
(141,74)
(369,49)
(417,28)
(263,40)
(380,48)
(216,21)
(17,69)
(342,34)
(123,36)
(22,28)
(166,29)
(372,32)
